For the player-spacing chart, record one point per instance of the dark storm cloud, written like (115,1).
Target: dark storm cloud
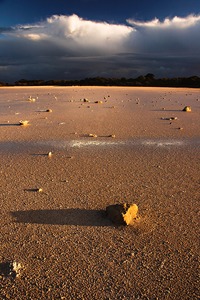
(70,47)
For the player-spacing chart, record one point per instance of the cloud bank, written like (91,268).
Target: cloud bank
(69,47)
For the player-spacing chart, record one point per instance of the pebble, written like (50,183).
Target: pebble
(112,135)
(23,122)
(92,135)
(30,99)
(187,109)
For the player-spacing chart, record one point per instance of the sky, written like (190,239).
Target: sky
(61,39)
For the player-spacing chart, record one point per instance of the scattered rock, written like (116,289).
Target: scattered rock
(39,190)
(50,154)
(48,110)
(11,269)
(23,122)
(187,109)
(30,99)
(92,135)
(170,119)
(99,102)
(122,214)
(85,100)
(112,135)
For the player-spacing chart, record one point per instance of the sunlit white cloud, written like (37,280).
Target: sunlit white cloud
(173,23)
(72,32)
(71,47)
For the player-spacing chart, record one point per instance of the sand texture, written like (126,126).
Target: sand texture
(74,158)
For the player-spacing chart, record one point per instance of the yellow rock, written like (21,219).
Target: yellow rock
(123,214)
(24,122)
(92,135)
(187,109)
(30,99)
(131,214)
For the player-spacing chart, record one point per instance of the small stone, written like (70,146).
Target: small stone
(30,99)
(48,110)
(23,122)
(187,109)
(123,214)
(39,190)
(92,135)
(11,269)
(112,135)
(85,100)
(170,118)
(49,154)
(99,102)
(17,267)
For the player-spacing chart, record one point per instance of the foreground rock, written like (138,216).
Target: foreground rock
(10,269)
(123,214)
(187,109)
(23,123)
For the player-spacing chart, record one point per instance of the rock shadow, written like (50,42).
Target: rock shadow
(72,216)
(167,110)
(9,124)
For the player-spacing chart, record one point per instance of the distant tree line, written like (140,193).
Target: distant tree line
(147,80)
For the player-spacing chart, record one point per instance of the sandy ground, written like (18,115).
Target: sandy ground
(59,240)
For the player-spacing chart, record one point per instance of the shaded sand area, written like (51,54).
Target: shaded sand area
(56,242)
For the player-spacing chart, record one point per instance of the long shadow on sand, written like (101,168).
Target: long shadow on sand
(9,124)
(72,216)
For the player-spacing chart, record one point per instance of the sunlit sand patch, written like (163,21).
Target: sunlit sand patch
(163,143)
(79,143)
(86,143)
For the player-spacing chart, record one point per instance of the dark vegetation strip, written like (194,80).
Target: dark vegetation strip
(147,80)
